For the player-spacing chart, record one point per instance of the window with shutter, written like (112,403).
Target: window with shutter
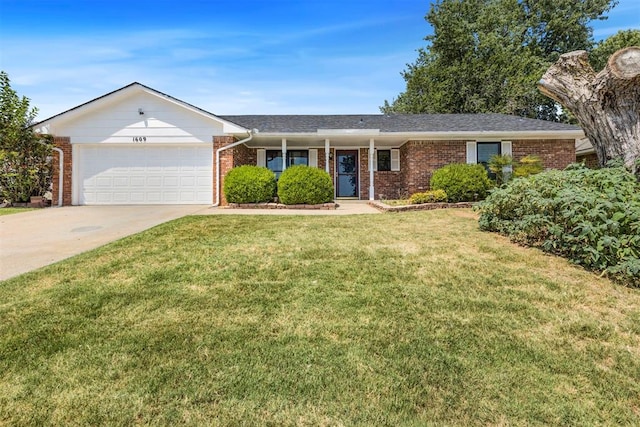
(395,159)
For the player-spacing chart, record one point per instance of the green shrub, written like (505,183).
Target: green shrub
(591,217)
(527,166)
(462,182)
(433,196)
(304,185)
(249,184)
(501,165)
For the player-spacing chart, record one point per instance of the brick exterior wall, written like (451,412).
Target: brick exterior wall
(63,143)
(589,160)
(236,156)
(418,161)
(555,154)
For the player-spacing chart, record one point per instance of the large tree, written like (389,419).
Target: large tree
(600,54)
(487,55)
(25,157)
(606,104)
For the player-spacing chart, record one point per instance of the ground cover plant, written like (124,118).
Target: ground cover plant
(592,217)
(407,319)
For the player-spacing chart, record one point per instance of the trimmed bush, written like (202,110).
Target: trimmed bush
(591,217)
(527,166)
(249,184)
(433,196)
(462,182)
(299,185)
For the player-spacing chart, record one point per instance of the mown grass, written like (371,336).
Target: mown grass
(397,319)
(10,211)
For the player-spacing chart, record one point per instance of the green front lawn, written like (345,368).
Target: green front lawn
(9,211)
(395,319)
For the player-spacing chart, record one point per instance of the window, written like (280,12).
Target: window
(294,157)
(384,160)
(485,151)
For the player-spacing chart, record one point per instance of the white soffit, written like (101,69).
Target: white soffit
(348,132)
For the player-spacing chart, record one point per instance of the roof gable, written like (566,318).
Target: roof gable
(120,95)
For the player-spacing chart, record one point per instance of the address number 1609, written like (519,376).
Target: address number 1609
(139,139)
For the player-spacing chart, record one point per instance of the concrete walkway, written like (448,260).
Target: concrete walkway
(38,238)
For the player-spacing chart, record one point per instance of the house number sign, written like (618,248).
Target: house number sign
(139,139)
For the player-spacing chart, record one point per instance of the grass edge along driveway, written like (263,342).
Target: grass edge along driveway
(403,319)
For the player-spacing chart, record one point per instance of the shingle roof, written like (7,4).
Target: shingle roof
(491,122)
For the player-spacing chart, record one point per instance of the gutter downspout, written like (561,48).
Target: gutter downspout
(220,150)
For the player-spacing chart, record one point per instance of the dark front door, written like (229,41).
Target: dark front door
(347,167)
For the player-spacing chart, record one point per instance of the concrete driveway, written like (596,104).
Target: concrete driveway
(37,238)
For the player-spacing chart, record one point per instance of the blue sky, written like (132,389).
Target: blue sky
(227,57)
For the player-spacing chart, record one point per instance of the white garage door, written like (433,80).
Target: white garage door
(144,174)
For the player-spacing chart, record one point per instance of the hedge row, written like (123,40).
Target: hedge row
(297,185)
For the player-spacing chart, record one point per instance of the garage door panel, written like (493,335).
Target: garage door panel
(150,174)
(171,181)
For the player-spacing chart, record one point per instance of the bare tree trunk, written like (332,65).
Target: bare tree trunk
(607,104)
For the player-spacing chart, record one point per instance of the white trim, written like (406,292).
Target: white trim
(313,157)
(76,172)
(506,150)
(372,149)
(472,152)
(327,155)
(395,159)
(436,136)
(261,157)
(125,92)
(284,154)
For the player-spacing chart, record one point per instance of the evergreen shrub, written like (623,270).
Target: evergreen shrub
(462,182)
(249,184)
(433,196)
(301,184)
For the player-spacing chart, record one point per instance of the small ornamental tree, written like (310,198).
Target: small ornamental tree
(25,156)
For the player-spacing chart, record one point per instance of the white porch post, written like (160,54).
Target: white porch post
(326,155)
(284,154)
(371,158)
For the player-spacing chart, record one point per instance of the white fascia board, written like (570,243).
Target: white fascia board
(359,132)
(567,134)
(227,126)
(48,124)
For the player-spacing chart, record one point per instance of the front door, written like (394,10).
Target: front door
(347,167)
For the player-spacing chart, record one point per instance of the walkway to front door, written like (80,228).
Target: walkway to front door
(347,167)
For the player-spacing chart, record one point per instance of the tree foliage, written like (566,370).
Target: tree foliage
(487,55)
(600,54)
(25,157)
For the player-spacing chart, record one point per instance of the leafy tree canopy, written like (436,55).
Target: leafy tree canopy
(25,166)
(603,50)
(487,55)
